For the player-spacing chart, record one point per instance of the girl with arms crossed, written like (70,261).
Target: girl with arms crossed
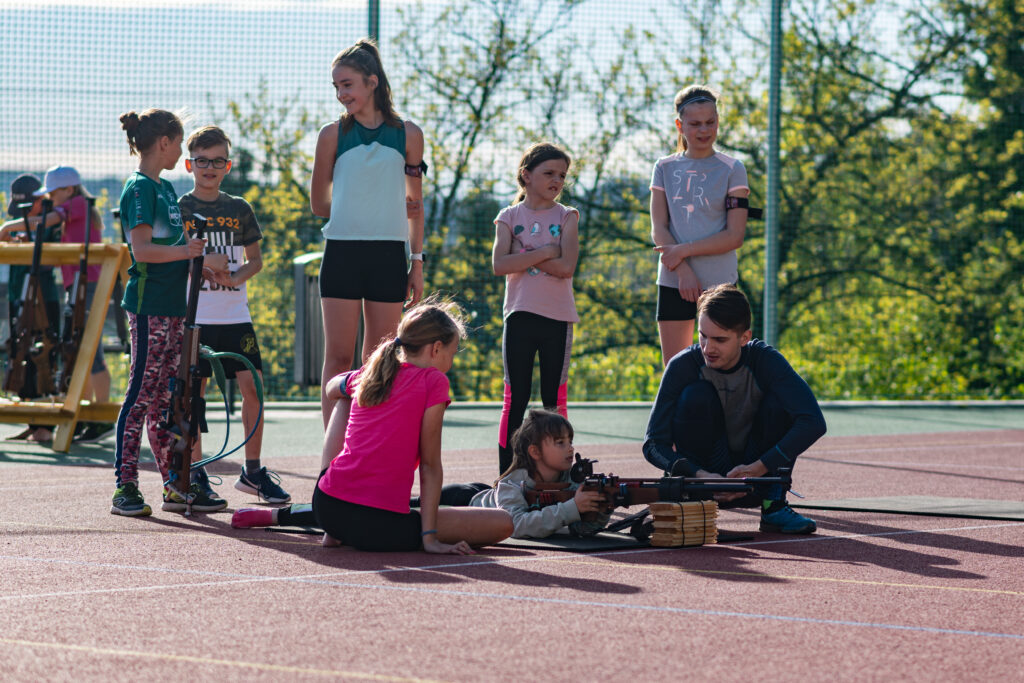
(692,225)
(536,246)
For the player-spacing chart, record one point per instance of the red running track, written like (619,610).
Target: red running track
(85,595)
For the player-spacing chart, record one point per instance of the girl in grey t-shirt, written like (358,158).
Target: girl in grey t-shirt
(691,228)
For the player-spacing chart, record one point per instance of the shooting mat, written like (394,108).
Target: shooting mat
(931,506)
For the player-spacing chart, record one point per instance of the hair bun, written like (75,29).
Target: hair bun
(129,121)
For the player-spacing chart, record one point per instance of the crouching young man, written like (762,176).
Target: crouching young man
(732,406)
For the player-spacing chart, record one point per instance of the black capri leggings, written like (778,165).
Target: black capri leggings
(367,528)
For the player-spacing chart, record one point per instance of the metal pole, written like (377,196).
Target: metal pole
(771,222)
(373,22)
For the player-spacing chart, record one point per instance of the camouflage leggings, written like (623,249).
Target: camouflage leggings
(156,351)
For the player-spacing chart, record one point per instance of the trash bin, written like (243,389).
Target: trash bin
(309,326)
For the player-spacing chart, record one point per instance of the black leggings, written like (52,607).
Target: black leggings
(367,528)
(456,495)
(699,433)
(527,335)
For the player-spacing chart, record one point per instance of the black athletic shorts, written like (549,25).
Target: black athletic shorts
(671,306)
(367,528)
(374,270)
(237,338)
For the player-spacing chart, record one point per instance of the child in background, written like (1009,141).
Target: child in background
(694,226)
(387,422)
(64,186)
(155,302)
(23,191)
(223,313)
(368,178)
(536,246)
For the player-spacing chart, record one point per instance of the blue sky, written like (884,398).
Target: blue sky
(70,68)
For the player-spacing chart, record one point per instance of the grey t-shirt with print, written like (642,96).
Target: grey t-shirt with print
(696,190)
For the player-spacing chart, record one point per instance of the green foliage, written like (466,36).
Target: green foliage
(901,210)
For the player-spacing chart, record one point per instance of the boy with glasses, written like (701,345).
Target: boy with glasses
(223,313)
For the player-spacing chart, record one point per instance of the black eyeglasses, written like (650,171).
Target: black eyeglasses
(203,162)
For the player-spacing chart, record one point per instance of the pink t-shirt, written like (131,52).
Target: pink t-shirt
(74,212)
(533,290)
(382,442)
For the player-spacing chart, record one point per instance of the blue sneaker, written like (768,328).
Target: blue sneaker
(264,484)
(787,521)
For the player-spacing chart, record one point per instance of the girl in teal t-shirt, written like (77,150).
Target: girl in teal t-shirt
(155,302)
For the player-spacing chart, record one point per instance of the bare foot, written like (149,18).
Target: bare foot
(329,541)
(41,435)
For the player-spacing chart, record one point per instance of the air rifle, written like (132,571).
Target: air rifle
(31,338)
(185,413)
(623,492)
(74,309)
(119,320)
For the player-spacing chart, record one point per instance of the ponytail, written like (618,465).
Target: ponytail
(432,320)
(381,370)
(364,57)
(143,130)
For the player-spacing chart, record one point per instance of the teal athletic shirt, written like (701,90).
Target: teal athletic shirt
(368,195)
(154,288)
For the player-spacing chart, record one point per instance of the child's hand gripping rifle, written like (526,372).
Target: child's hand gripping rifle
(31,337)
(623,492)
(74,309)
(185,413)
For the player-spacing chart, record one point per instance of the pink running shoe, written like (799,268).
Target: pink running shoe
(249,517)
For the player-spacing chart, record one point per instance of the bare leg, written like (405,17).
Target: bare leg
(380,320)
(675,336)
(197,448)
(100,382)
(250,413)
(341,323)
(476,526)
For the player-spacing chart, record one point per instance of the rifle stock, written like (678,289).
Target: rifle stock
(31,338)
(74,309)
(186,409)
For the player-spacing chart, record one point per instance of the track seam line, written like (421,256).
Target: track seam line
(825,579)
(206,660)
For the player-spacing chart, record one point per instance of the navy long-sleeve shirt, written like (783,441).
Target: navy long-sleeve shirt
(770,373)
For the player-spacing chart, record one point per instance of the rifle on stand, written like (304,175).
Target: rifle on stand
(74,310)
(623,492)
(31,338)
(187,408)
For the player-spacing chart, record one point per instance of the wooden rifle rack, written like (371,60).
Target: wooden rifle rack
(114,261)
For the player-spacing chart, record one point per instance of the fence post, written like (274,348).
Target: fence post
(771,221)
